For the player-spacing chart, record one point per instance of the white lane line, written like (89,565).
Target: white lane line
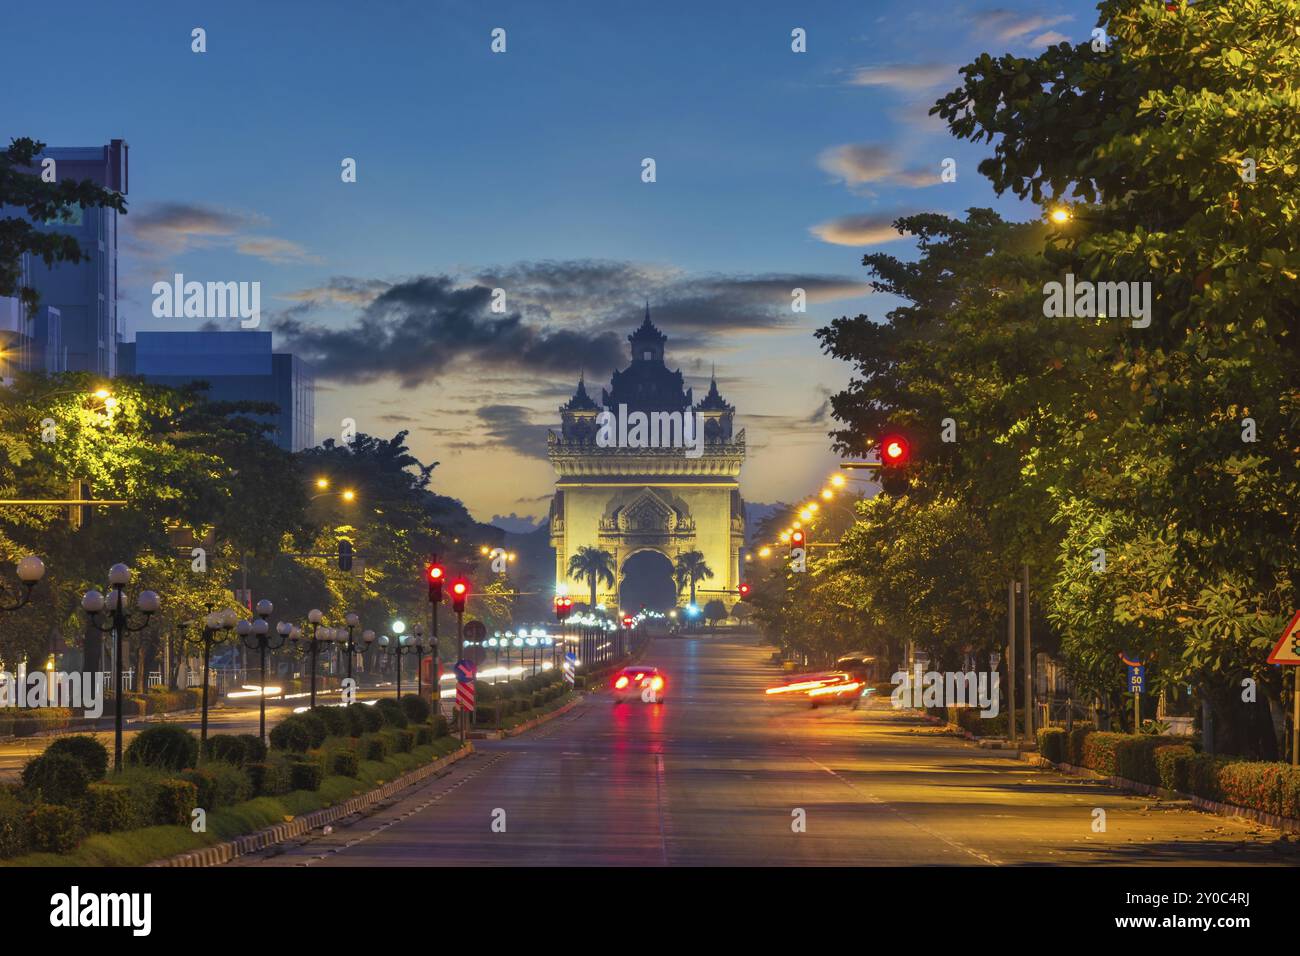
(661,798)
(984,858)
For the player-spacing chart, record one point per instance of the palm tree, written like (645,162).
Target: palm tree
(595,565)
(690,568)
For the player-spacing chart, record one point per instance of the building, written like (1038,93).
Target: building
(648,503)
(29,344)
(85,293)
(238,366)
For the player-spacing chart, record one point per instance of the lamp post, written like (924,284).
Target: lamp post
(398,646)
(421,646)
(256,636)
(94,603)
(313,646)
(219,622)
(346,642)
(30,570)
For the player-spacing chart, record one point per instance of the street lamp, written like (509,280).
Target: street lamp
(30,570)
(314,617)
(345,640)
(94,603)
(256,636)
(422,645)
(398,647)
(218,622)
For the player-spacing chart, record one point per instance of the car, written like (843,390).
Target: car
(827,687)
(639,683)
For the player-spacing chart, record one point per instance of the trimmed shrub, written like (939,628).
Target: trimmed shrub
(1171,764)
(1099,752)
(441,726)
(14,833)
(356,721)
(166,745)
(336,721)
(317,728)
(54,828)
(391,711)
(1053,744)
(374,747)
(346,763)
(174,801)
(228,748)
(254,748)
(306,775)
(292,734)
(55,778)
(1080,731)
(372,719)
(268,778)
(423,735)
(417,709)
(1203,775)
(1269,787)
(402,740)
(219,784)
(90,752)
(107,808)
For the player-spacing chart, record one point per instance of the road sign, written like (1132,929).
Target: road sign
(1137,675)
(465,671)
(465,697)
(475,631)
(570,666)
(1287,649)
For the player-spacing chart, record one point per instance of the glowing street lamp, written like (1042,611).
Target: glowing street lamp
(30,571)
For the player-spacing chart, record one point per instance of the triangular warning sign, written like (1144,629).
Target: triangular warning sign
(1285,651)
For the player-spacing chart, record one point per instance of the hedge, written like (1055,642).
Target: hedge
(88,751)
(1171,763)
(292,734)
(55,829)
(1077,736)
(29,721)
(306,775)
(1053,744)
(374,747)
(346,763)
(219,784)
(416,708)
(166,745)
(371,719)
(55,778)
(15,837)
(107,808)
(227,748)
(175,801)
(391,712)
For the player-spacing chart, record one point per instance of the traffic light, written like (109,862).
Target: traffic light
(459,592)
(563,608)
(894,451)
(627,621)
(743,590)
(796,538)
(345,554)
(434,574)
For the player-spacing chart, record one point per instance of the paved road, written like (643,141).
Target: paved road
(713,776)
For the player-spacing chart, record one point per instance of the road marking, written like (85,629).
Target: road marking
(901,815)
(661,798)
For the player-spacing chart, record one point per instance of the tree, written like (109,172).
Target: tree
(595,565)
(714,611)
(689,569)
(43,202)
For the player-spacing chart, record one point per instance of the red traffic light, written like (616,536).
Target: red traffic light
(435,572)
(563,607)
(744,590)
(796,539)
(894,450)
(459,592)
(627,620)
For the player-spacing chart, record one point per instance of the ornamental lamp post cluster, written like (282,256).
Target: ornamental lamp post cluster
(403,645)
(216,622)
(30,571)
(117,603)
(257,636)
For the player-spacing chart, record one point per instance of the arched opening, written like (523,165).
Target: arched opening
(648,582)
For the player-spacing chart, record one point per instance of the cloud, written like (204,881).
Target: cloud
(1050,38)
(864,229)
(1010,25)
(173,228)
(859,163)
(343,290)
(417,329)
(905,76)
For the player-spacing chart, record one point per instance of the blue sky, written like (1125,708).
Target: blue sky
(522,170)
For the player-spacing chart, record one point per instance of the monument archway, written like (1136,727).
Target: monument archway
(646,580)
(627,494)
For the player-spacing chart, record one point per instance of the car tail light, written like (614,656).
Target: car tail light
(640,675)
(621,682)
(657,683)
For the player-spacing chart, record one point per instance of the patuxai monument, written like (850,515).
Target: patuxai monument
(647,475)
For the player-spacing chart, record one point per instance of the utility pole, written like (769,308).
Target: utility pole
(1012,730)
(1029,665)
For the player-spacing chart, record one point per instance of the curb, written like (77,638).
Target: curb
(251,842)
(529,725)
(1285,824)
